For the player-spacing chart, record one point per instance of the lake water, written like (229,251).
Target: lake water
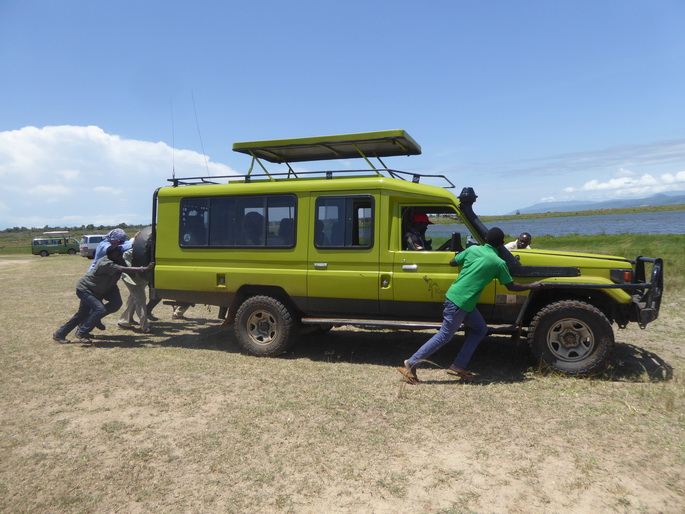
(672,222)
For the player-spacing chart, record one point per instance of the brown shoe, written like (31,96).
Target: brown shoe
(409,373)
(467,375)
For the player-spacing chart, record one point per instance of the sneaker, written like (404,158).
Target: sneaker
(83,337)
(151,317)
(100,325)
(146,330)
(124,324)
(60,340)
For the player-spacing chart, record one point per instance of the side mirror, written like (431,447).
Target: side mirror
(455,243)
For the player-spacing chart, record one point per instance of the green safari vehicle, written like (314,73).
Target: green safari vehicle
(54,242)
(282,251)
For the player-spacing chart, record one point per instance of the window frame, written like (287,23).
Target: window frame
(234,218)
(350,217)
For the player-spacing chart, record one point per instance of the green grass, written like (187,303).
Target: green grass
(671,248)
(595,212)
(18,241)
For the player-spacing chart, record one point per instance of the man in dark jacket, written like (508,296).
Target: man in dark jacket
(91,289)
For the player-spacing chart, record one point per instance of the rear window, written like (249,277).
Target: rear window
(261,221)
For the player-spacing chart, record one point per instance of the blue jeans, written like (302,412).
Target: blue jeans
(90,311)
(453,317)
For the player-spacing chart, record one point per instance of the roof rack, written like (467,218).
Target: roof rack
(291,175)
(364,145)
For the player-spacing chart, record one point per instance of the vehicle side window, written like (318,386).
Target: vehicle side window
(238,221)
(430,228)
(194,221)
(344,222)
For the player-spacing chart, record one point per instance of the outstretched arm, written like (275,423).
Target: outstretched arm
(515,286)
(136,269)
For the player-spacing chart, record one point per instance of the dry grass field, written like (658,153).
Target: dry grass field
(180,421)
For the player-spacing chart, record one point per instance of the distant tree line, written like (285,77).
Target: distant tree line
(83,228)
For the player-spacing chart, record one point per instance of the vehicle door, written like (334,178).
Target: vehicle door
(343,260)
(421,278)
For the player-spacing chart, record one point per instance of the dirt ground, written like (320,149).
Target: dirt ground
(181,421)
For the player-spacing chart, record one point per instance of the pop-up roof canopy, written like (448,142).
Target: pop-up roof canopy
(385,143)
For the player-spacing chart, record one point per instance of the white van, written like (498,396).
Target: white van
(88,245)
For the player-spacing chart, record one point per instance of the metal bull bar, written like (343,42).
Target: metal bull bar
(648,303)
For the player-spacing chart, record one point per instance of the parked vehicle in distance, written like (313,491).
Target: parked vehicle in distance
(89,243)
(280,252)
(54,242)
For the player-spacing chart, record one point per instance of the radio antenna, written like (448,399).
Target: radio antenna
(173,141)
(199,134)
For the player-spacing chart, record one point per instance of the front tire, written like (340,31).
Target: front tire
(571,337)
(264,326)
(44,253)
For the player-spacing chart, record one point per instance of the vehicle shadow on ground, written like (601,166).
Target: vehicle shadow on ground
(631,363)
(497,359)
(199,334)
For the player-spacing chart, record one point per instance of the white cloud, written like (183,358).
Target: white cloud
(70,176)
(610,173)
(627,185)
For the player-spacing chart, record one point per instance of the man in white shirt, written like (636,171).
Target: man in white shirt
(522,243)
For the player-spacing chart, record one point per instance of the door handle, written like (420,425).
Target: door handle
(410,267)
(320,265)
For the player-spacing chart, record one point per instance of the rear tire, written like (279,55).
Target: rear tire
(571,337)
(71,251)
(264,326)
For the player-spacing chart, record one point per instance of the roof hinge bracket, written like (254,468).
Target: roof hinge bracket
(255,159)
(366,159)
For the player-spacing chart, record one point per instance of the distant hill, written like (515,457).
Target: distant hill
(660,199)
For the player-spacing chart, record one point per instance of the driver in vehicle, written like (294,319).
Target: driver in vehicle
(415,237)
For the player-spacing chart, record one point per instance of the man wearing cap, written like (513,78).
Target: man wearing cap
(114,237)
(415,238)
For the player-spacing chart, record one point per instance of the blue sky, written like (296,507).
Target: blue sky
(524,101)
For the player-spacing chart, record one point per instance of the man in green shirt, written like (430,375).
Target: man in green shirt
(479,266)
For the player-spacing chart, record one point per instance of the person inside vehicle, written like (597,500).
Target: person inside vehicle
(522,243)
(415,237)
